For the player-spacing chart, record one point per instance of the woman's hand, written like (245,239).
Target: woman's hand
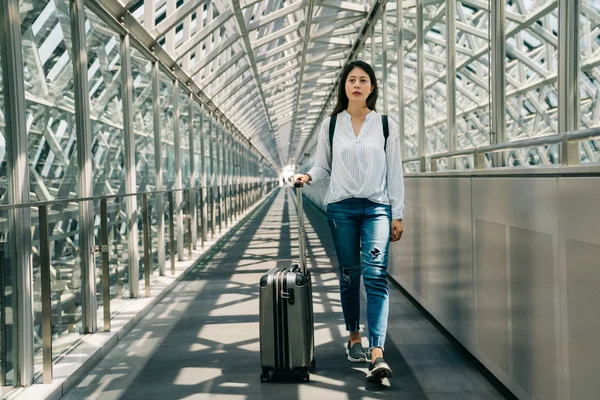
(301,177)
(396,230)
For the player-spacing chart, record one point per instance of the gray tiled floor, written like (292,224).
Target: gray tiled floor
(202,340)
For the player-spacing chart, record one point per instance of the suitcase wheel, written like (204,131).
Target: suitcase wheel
(306,376)
(264,375)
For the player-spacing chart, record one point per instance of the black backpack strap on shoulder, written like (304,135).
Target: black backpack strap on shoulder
(386,130)
(331,131)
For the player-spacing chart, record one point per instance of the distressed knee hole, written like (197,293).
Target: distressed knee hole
(346,275)
(376,254)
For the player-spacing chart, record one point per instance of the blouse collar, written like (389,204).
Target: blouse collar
(347,114)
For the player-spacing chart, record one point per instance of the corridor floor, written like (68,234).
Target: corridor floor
(201,341)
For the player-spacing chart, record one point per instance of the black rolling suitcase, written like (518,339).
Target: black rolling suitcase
(286,315)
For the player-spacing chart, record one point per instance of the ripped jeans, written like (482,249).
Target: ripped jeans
(361,231)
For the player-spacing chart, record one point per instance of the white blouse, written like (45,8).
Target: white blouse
(361,167)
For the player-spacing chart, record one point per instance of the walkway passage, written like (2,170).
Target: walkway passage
(202,340)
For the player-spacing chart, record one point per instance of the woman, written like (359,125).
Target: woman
(365,204)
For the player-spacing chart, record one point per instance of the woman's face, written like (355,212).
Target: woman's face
(358,85)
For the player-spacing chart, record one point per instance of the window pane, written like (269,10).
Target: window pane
(589,84)
(410,83)
(531,68)
(7,316)
(472,77)
(436,126)
(52,147)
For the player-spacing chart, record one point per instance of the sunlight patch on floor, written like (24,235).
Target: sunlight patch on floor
(198,347)
(229,333)
(189,376)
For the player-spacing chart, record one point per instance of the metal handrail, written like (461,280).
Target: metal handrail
(248,195)
(8,207)
(569,149)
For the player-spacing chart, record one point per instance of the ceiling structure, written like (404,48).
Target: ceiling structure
(269,66)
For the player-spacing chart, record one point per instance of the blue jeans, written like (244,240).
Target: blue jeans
(361,231)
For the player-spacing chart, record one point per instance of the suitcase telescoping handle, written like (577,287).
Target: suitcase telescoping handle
(298,185)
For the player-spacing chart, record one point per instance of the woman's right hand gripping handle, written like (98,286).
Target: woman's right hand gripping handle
(301,179)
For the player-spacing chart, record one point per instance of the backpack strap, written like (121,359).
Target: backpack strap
(331,131)
(386,130)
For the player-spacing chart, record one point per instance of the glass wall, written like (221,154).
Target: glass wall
(7,299)
(52,143)
(49,54)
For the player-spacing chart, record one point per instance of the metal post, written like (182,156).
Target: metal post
(498,74)
(120,276)
(178,180)
(171,232)
(231,177)
(147,244)
(84,153)
(421,85)
(384,37)
(189,221)
(191,137)
(243,174)
(219,134)
(130,170)
(105,263)
(19,223)
(400,93)
(236,175)
(203,190)
(46,294)
(373,59)
(160,208)
(247,178)
(568,77)
(212,178)
(451,77)
(226,162)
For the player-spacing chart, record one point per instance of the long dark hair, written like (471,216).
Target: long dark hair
(342,100)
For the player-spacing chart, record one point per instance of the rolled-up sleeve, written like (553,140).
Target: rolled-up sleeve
(395,175)
(322,167)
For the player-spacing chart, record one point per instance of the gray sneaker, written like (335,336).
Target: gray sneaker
(379,370)
(356,353)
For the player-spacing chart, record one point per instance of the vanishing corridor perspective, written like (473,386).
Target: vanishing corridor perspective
(146,151)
